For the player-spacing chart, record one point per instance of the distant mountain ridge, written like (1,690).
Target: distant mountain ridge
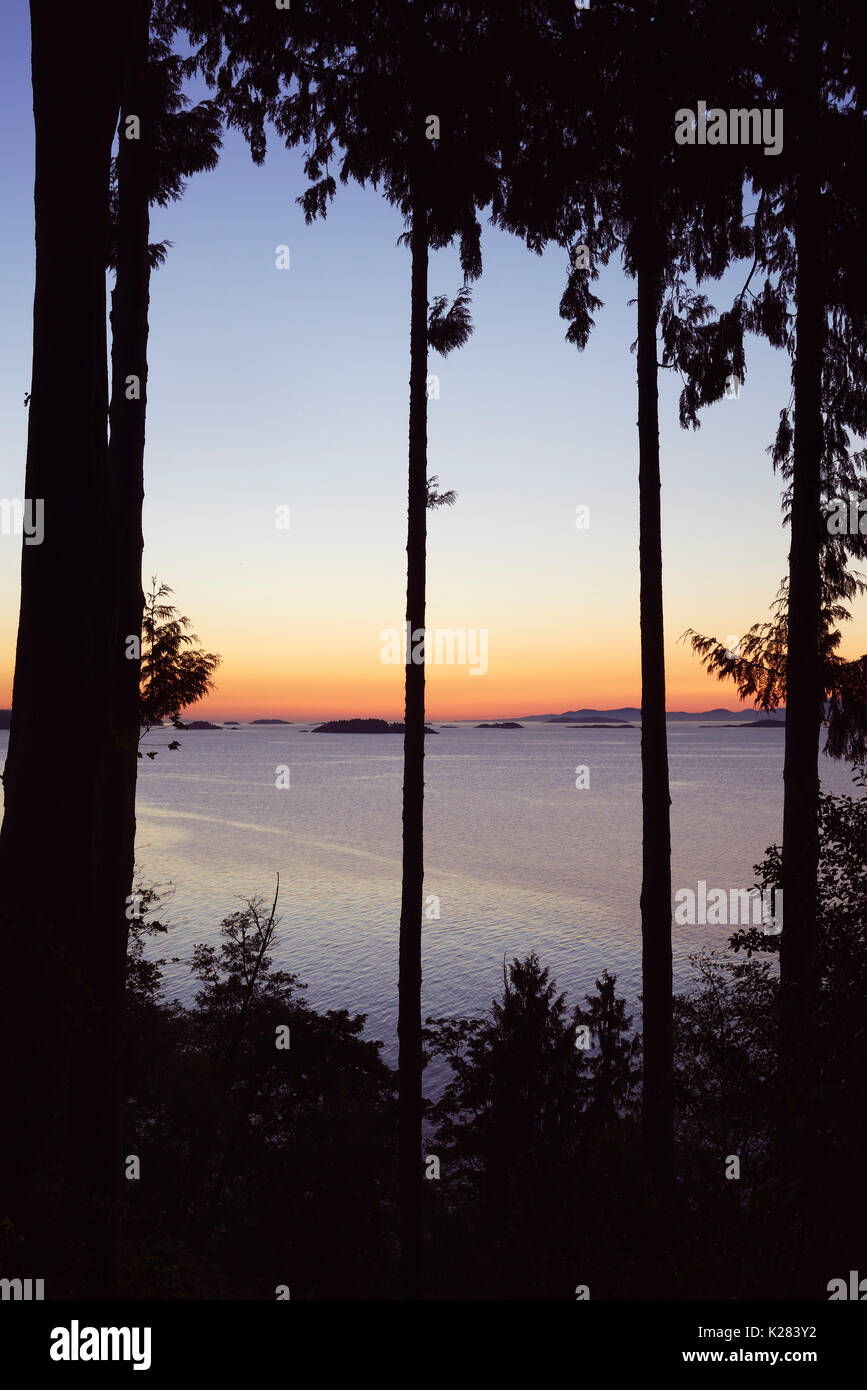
(631,712)
(628,712)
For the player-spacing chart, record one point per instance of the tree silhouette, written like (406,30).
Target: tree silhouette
(170,144)
(799,962)
(601,125)
(175,672)
(678,216)
(561,121)
(817,213)
(60,1120)
(397,94)
(160,144)
(535,1111)
(757,667)
(269,1127)
(517,1079)
(810,212)
(612,1069)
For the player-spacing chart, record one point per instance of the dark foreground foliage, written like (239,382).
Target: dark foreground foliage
(265,1132)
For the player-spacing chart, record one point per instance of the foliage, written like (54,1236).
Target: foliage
(450,325)
(520,1084)
(725,1058)
(175,673)
(842,894)
(435,498)
(756,665)
(266,1165)
(185,140)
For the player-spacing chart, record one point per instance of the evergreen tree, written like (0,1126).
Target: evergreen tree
(818,208)
(810,215)
(397,96)
(175,672)
(160,144)
(60,1116)
(602,125)
(612,1067)
(516,1080)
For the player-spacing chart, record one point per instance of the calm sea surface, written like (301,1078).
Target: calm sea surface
(519,858)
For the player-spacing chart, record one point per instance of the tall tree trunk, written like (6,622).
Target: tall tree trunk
(804,683)
(58,971)
(657,1117)
(129,338)
(409,1013)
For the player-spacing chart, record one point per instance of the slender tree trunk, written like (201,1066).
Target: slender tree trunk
(58,974)
(804,683)
(409,1015)
(129,337)
(657,1117)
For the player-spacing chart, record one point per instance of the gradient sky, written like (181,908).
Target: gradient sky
(271,388)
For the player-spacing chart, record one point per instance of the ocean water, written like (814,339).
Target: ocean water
(519,858)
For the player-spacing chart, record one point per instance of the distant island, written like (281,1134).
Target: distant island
(576,719)
(597,723)
(753,724)
(613,724)
(631,712)
(363,726)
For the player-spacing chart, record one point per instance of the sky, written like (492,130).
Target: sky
(288,388)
